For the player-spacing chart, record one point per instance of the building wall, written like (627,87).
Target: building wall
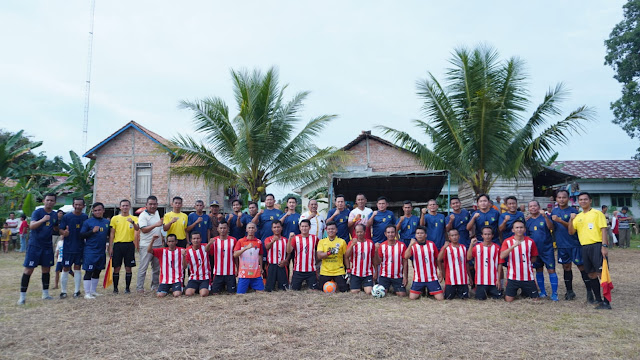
(521,188)
(382,158)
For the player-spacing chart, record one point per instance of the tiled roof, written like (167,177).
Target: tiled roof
(367,134)
(132,124)
(600,169)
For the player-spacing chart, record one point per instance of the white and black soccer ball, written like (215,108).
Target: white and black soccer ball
(378,291)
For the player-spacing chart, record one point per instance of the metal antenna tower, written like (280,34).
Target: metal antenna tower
(87,87)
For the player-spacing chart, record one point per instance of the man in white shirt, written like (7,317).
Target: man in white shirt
(14,225)
(317,220)
(150,230)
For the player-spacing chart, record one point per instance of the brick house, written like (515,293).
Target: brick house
(134,162)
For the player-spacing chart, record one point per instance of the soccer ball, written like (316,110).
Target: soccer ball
(329,287)
(378,291)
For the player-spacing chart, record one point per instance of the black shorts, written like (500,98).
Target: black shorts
(198,284)
(389,282)
(126,251)
(456,291)
(164,288)
(339,280)
(182,243)
(359,282)
(592,257)
(221,281)
(301,276)
(484,291)
(529,288)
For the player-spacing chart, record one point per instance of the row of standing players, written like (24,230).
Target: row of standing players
(376,225)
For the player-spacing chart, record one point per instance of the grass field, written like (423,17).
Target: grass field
(295,325)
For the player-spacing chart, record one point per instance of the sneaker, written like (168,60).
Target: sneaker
(95,294)
(63,295)
(554,297)
(47,298)
(115,291)
(21,302)
(77,295)
(570,295)
(590,298)
(603,306)
(542,295)
(127,291)
(89,297)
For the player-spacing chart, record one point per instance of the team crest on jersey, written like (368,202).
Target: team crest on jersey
(441,220)
(566,216)
(535,228)
(270,217)
(341,220)
(77,226)
(541,223)
(493,219)
(384,219)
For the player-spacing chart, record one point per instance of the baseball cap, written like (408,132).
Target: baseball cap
(214,203)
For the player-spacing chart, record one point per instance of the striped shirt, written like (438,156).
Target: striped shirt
(170,265)
(198,262)
(222,251)
(278,251)
(361,257)
(486,260)
(519,260)
(305,249)
(391,259)
(424,261)
(455,265)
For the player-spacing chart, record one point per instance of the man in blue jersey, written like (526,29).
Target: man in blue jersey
(459,219)
(407,224)
(73,246)
(291,219)
(239,220)
(44,223)
(539,229)
(340,215)
(199,222)
(507,218)
(484,216)
(265,217)
(379,221)
(434,223)
(95,233)
(569,248)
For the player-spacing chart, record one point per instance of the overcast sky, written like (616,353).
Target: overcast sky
(359,59)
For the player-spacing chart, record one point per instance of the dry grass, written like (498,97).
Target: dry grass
(296,325)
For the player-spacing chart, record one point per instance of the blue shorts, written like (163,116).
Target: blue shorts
(546,258)
(432,286)
(254,283)
(164,288)
(570,255)
(359,282)
(389,282)
(71,259)
(36,256)
(198,284)
(59,266)
(92,262)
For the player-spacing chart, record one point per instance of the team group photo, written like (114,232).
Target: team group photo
(342,180)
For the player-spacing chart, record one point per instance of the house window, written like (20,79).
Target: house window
(595,201)
(143,182)
(620,200)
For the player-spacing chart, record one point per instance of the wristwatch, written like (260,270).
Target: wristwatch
(605,245)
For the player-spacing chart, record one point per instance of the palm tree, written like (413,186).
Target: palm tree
(79,177)
(259,146)
(476,122)
(12,149)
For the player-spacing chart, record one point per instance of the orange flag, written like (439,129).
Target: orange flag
(605,280)
(108,276)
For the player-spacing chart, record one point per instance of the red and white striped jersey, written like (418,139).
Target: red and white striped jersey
(305,249)
(519,260)
(198,262)
(455,265)
(391,259)
(222,251)
(424,261)
(487,262)
(361,257)
(278,251)
(170,265)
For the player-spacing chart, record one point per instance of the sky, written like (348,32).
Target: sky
(359,59)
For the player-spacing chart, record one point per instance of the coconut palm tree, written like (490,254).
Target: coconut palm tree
(79,177)
(476,121)
(12,149)
(259,146)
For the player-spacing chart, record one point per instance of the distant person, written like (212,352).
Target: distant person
(197,261)
(44,223)
(624,229)
(171,268)
(150,231)
(175,222)
(216,217)
(360,215)
(407,224)
(424,255)
(201,223)
(434,222)
(95,232)
(59,247)
(501,205)
(340,215)
(24,232)
(290,219)
(361,252)
(14,224)
(73,246)
(6,237)
(121,245)
(520,252)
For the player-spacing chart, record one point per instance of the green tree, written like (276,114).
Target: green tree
(623,55)
(476,122)
(13,149)
(79,178)
(283,202)
(259,146)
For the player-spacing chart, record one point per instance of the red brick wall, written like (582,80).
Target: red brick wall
(382,157)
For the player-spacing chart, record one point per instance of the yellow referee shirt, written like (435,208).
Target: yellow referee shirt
(589,226)
(333,265)
(124,231)
(178,228)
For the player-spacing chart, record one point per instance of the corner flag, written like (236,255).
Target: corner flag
(605,280)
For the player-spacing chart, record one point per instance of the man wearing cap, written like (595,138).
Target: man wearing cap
(216,218)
